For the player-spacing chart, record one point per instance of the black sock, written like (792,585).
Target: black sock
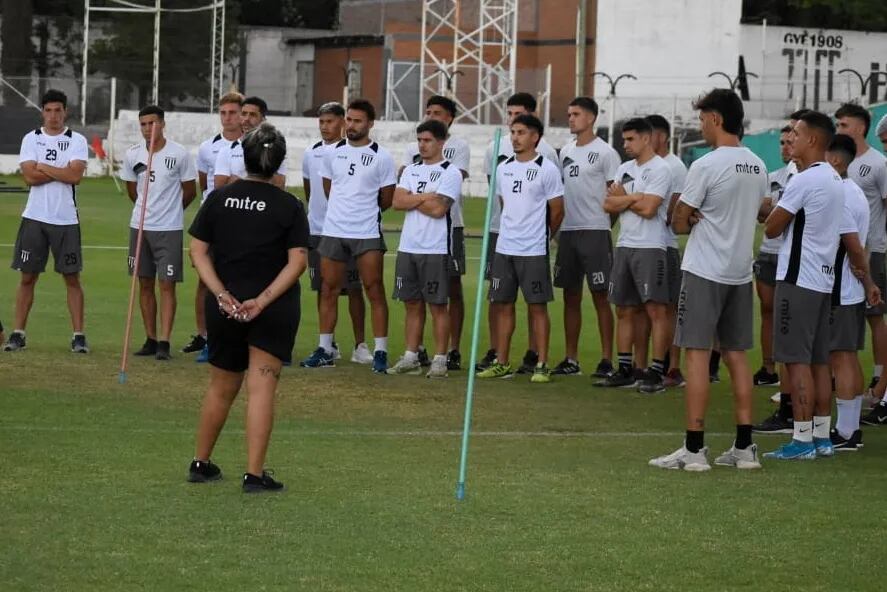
(667,362)
(743,436)
(714,363)
(658,366)
(785,406)
(695,440)
(624,361)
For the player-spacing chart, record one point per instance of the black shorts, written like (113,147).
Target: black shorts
(583,255)
(36,239)
(273,331)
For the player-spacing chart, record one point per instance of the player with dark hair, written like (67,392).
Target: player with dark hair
(229,165)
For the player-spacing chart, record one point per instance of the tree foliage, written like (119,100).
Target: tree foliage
(856,15)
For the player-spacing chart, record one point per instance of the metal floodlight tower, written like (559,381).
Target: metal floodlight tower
(487,46)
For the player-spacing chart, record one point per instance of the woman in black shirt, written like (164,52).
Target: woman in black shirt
(258,237)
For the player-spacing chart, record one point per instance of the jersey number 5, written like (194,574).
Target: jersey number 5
(351,169)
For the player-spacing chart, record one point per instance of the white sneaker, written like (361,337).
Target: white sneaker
(404,367)
(740,459)
(683,459)
(776,397)
(362,354)
(337,355)
(438,368)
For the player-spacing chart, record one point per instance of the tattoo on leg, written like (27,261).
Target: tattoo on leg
(269,371)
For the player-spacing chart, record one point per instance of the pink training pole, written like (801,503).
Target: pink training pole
(135,266)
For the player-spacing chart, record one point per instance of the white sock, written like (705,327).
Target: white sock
(326,342)
(381,344)
(78,334)
(846,411)
(440,358)
(410,356)
(822,426)
(20,332)
(803,431)
(857,412)
(878,369)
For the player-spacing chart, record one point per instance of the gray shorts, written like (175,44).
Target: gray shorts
(36,239)
(800,327)
(457,260)
(345,249)
(161,254)
(765,268)
(531,274)
(491,254)
(710,312)
(879,276)
(847,328)
(352,278)
(673,259)
(583,254)
(422,277)
(639,276)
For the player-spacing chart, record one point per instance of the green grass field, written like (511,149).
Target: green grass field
(93,494)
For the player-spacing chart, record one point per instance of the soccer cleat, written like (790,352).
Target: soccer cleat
(682,458)
(203,356)
(496,370)
(149,348)
(162,351)
(197,343)
(423,357)
(380,362)
(528,364)
(823,446)
(541,374)
(319,359)
(361,354)
(775,424)
(674,379)
(438,369)
(203,471)
(567,368)
(604,369)
(454,360)
(740,458)
(652,383)
(487,361)
(842,444)
(793,450)
(877,416)
(622,378)
(256,484)
(79,345)
(404,367)
(16,342)
(764,378)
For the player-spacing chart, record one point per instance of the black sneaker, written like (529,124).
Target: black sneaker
(604,369)
(842,444)
(254,484)
(79,345)
(423,358)
(639,374)
(764,378)
(653,383)
(16,342)
(775,424)
(196,344)
(528,365)
(148,349)
(877,416)
(162,351)
(714,378)
(567,368)
(874,382)
(486,361)
(454,360)
(622,378)
(202,472)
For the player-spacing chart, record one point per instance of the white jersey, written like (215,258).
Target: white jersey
(587,170)
(421,233)
(727,186)
(171,166)
(869,171)
(678,179)
(855,220)
(206,161)
(312,165)
(525,189)
(778,180)
(229,161)
(807,257)
(653,177)
(357,174)
(54,202)
(506,150)
(458,153)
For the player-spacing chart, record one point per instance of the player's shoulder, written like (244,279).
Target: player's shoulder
(376,148)
(33,134)
(75,136)
(176,148)
(458,143)
(569,148)
(209,142)
(545,164)
(134,148)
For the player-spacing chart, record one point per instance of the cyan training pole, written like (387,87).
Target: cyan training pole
(469,391)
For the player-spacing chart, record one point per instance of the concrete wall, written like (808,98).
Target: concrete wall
(271,66)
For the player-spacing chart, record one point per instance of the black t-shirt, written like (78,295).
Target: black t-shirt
(250,225)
